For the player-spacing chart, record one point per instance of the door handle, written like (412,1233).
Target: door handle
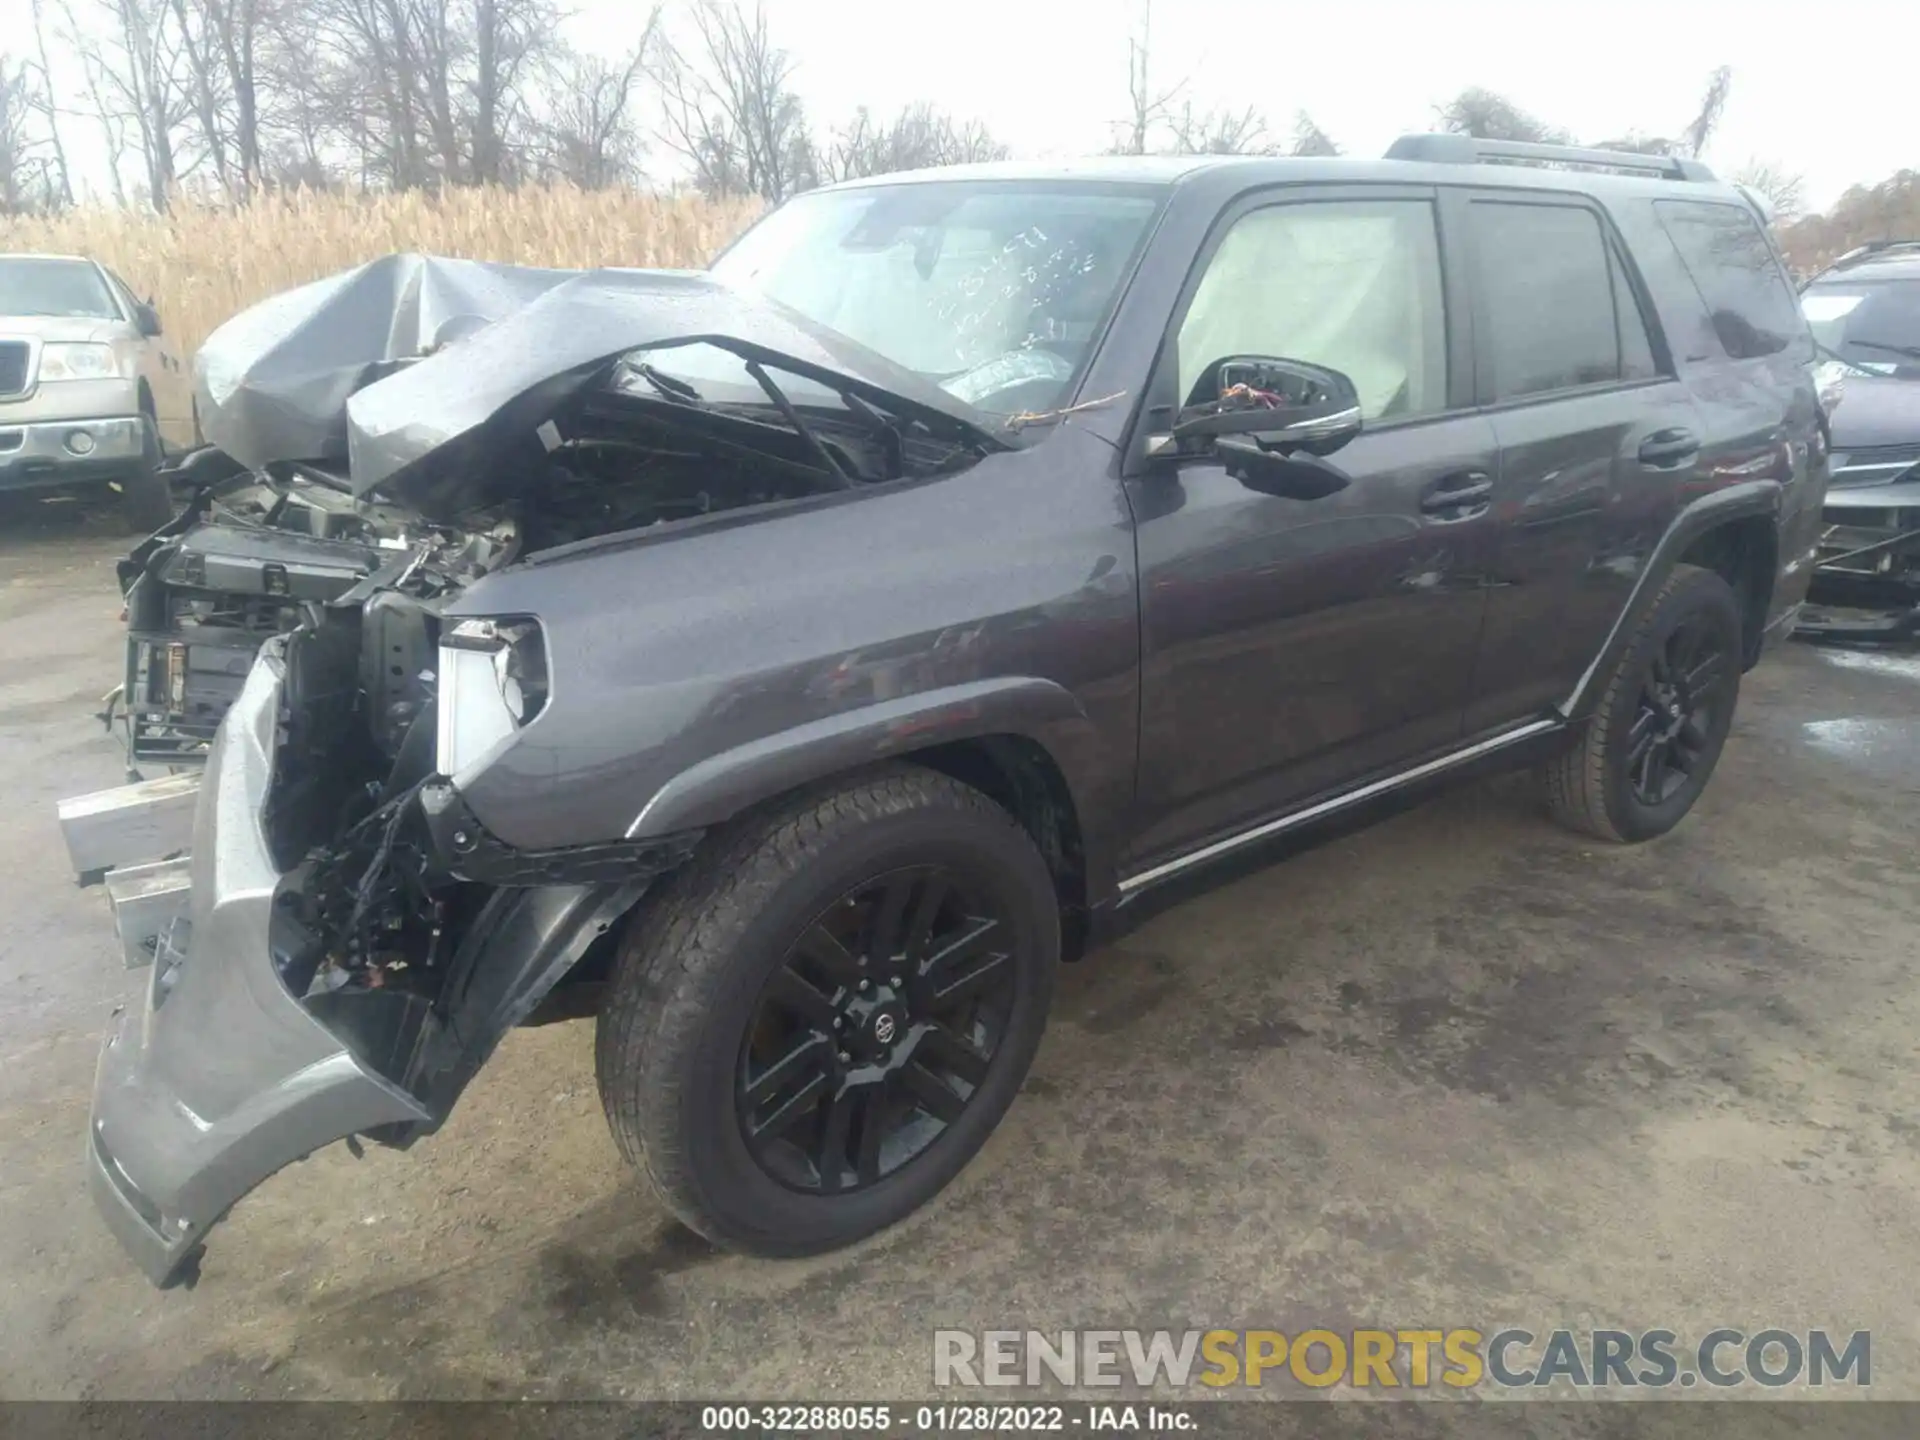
(1669,449)
(1451,494)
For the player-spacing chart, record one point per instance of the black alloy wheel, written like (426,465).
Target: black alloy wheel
(877,1029)
(1676,720)
(816,1023)
(1636,766)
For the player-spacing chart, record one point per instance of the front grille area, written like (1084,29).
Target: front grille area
(13,366)
(1875,464)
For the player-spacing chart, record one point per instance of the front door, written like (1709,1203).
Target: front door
(1290,647)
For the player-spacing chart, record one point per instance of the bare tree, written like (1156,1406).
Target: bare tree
(918,138)
(1219,132)
(134,65)
(1779,187)
(50,108)
(1487,116)
(591,134)
(27,178)
(1310,139)
(730,108)
(1147,109)
(1707,119)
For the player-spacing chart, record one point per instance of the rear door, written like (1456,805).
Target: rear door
(1746,351)
(1597,436)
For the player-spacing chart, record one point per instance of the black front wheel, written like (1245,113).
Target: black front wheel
(820,1021)
(146,498)
(1647,753)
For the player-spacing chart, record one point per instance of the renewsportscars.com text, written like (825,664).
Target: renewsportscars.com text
(1414,1359)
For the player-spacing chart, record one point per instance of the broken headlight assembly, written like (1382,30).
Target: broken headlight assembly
(492,683)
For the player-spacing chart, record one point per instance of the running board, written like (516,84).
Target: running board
(1167,869)
(146,899)
(129,825)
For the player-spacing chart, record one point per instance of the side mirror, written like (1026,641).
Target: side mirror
(1268,420)
(1301,476)
(1289,404)
(146,318)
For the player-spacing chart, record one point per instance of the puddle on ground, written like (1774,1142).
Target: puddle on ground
(1877,662)
(1886,747)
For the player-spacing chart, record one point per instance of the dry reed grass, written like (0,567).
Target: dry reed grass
(201,264)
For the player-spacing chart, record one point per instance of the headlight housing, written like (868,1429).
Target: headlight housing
(492,682)
(78,360)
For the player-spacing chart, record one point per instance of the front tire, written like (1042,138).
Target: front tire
(146,499)
(1648,751)
(819,1021)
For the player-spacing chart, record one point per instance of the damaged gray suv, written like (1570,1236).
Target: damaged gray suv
(790,665)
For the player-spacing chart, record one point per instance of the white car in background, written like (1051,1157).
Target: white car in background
(83,367)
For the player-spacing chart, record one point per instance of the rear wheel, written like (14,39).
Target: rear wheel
(1650,748)
(820,1022)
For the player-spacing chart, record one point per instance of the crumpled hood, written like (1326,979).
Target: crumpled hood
(272,383)
(438,434)
(329,370)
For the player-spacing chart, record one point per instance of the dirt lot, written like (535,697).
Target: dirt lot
(1457,1069)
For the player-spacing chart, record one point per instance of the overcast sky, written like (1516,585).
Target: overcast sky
(1822,90)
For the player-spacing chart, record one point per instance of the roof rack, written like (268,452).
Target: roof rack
(1469,150)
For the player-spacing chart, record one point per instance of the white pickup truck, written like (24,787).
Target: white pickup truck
(82,364)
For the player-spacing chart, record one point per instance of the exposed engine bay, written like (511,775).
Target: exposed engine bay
(351,585)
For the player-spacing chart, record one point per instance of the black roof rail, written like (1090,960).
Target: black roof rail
(1468,150)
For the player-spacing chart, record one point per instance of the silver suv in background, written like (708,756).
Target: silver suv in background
(81,364)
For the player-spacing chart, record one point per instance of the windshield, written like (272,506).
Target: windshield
(993,291)
(1873,324)
(32,286)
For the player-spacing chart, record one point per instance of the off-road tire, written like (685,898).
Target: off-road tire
(146,499)
(693,963)
(1587,787)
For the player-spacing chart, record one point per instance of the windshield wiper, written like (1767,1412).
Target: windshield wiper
(1853,365)
(1912,352)
(670,386)
(842,480)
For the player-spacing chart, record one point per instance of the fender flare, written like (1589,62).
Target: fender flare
(715,789)
(1746,500)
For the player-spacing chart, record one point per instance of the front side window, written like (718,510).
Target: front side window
(31,285)
(1547,287)
(1349,284)
(1733,269)
(996,292)
(1871,324)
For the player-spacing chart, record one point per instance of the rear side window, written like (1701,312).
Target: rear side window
(1547,287)
(1733,268)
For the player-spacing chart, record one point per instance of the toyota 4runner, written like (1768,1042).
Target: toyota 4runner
(792,664)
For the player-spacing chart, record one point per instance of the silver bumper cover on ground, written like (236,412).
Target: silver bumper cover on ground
(220,1077)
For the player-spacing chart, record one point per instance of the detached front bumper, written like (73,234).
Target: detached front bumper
(54,452)
(220,1077)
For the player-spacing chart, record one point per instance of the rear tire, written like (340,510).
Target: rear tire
(790,1053)
(1649,749)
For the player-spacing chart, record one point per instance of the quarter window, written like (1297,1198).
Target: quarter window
(1733,268)
(1352,285)
(1547,285)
